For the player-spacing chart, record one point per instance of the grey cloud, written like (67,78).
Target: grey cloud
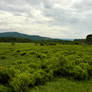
(84,5)
(46,3)
(34,2)
(77,17)
(77,22)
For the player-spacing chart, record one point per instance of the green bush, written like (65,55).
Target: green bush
(41,55)
(35,65)
(6,75)
(21,82)
(50,75)
(4,89)
(40,77)
(3,57)
(79,73)
(90,70)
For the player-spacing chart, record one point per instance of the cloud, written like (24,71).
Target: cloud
(51,18)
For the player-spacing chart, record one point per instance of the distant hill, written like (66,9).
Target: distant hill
(20,35)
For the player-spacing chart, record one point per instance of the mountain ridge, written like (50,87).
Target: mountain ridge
(31,37)
(21,35)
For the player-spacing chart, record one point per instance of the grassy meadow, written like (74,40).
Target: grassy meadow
(32,67)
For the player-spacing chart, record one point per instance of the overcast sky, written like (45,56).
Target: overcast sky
(50,18)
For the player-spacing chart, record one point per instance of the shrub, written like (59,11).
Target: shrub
(21,82)
(90,70)
(5,75)
(40,77)
(3,57)
(50,75)
(35,65)
(41,55)
(79,73)
(18,51)
(22,54)
(4,89)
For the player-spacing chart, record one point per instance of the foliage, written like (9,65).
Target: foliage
(89,39)
(4,89)
(29,65)
(21,82)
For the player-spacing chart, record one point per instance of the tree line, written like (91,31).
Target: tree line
(88,40)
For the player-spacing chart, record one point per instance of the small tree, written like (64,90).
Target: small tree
(89,39)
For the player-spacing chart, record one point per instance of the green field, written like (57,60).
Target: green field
(30,67)
(64,85)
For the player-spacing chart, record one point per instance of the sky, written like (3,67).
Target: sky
(49,18)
